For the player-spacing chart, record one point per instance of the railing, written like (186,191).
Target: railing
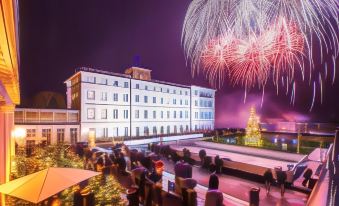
(109,139)
(320,192)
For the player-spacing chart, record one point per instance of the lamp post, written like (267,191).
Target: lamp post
(19,135)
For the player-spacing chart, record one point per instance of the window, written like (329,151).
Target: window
(136,98)
(162,100)
(30,132)
(154,100)
(175,114)
(186,102)
(90,95)
(196,92)
(115,83)
(186,93)
(180,92)
(103,81)
(154,130)
(180,101)
(103,96)
(125,114)
(168,129)
(174,91)
(136,114)
(74,135)
(162,114)
(125,97)
(196,103)
(115,97)
(162,130)
(186,114)
(154,114)
(137,132)
(180,114)
(174,101)
(146,131)
(145,114)
(104,114)
(186,130)
(115,132)
(167,90)
(46,133)
(60,136)
(125,84)
(90,79)
(137,86)
(181,129)
(146,87)
(126,131)
(115,114)
(196,115)
(145,99)
(195,127)
(168,114)
(175,129)
(90,113)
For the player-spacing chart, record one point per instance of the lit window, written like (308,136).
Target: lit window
(90,113)
(104,96)
(90,94)
(104,114)
(30,132)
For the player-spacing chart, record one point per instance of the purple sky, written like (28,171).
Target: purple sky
(56,36)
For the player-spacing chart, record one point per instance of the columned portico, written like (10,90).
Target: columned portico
(7,144)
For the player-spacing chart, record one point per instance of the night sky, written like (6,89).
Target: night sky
(57,36)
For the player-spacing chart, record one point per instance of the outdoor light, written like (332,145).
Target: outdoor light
(19,134)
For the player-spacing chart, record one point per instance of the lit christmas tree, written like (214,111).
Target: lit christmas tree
(253,135)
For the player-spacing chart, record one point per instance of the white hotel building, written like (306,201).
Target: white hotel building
(134,105)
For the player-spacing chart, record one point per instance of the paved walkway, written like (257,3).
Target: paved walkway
(258,152)
(239,188)
(248,159)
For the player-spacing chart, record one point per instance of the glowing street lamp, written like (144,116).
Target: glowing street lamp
(19,135)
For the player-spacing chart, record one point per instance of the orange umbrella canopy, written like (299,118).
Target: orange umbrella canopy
(45,183)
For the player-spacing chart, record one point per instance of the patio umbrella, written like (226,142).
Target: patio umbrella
(45,183)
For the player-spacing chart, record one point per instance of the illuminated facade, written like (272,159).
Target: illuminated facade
(9,83)
(133,104)
(46,126)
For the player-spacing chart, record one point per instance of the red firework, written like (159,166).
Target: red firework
(249,62)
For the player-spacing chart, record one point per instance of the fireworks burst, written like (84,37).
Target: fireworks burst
(246,42)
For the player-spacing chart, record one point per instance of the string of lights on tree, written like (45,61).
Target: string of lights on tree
(106,192)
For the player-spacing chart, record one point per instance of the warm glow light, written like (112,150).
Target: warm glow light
(19,133)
